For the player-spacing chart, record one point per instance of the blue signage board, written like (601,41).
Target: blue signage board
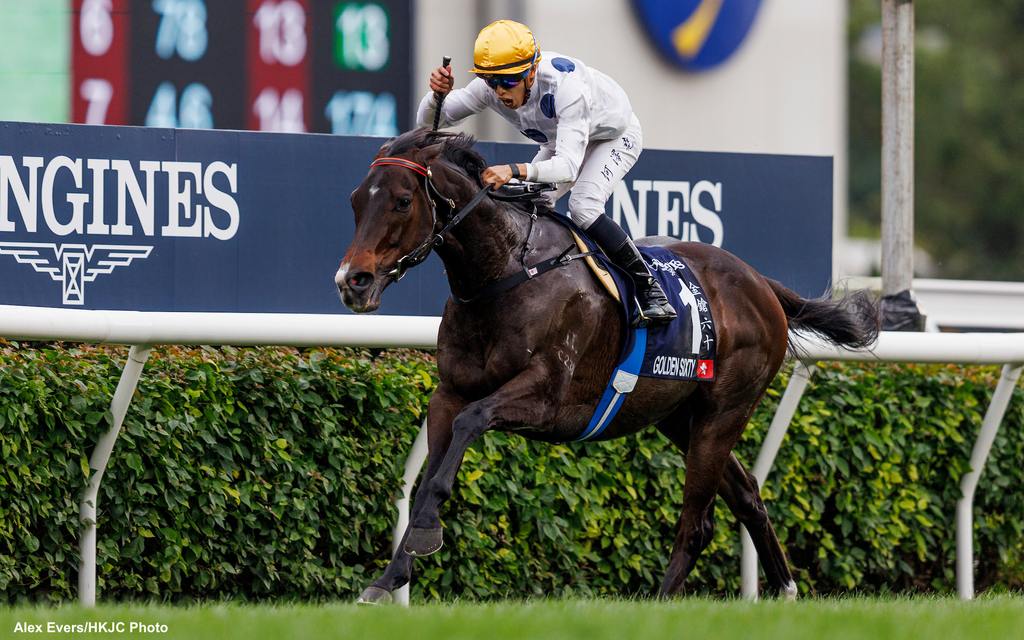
(188,220)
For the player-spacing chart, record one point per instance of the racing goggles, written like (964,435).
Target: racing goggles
(508,81)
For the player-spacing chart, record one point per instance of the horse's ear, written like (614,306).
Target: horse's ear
(430,152)
(439,157)
(465,159)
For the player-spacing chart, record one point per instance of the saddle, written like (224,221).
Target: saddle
(521,190)
(683,349)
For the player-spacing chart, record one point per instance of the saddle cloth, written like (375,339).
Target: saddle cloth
(683,349)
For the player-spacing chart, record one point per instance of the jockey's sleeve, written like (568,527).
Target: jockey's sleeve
(571,137)
(458,105)
(544,152)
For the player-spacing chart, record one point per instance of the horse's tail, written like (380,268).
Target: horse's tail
(851,321)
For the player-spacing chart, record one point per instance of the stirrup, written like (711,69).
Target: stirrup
(654,299)
(658,319)
(643,320)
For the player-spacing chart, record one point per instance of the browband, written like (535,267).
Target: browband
(401,162)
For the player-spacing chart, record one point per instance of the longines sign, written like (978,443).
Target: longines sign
(74,264)
(183,220)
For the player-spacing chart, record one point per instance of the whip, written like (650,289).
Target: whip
(438,96)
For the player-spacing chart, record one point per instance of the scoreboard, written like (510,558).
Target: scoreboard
(327,66)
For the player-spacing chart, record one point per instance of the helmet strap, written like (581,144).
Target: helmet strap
(526,78)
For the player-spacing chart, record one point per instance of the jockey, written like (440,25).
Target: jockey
(588,134)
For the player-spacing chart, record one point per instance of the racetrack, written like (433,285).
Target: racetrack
(1000,616)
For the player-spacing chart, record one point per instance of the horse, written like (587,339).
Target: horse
(533,359)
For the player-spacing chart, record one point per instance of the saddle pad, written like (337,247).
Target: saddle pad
(683,349)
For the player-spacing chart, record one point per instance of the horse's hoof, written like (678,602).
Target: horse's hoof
(790,592)
(374,595)
(423,542)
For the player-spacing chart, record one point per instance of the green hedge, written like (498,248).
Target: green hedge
(270,474)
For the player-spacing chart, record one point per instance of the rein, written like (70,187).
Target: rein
(420,253)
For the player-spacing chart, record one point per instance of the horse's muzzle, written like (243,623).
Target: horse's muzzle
(360,290)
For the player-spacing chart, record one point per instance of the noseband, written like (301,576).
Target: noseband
(436,239)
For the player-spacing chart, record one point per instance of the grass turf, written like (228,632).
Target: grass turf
(933,618)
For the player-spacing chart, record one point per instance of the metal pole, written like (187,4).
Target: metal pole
(899,308)
(968,484)
(413,464)
(137,357)
(897,145)
(798,382)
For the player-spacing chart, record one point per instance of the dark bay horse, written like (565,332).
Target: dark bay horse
(535,359)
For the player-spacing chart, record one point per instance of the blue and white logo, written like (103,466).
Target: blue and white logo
(73,265)
(697,34)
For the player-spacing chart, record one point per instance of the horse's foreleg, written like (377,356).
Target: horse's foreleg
(740,492)
(524,401)
(444,406)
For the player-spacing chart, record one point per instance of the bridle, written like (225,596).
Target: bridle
(436,238)
(430,190)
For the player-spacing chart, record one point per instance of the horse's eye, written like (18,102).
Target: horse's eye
(403,204)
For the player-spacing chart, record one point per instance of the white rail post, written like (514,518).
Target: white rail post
(413,464)
(137,357)
(798,382)
(965,505)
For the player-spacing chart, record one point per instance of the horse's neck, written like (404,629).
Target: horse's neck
(483,246)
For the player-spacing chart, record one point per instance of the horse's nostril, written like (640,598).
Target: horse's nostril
(360,282)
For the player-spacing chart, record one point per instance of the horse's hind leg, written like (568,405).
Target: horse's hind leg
(740,492)
(711,439)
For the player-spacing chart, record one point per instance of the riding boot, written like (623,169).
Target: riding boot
(654,305)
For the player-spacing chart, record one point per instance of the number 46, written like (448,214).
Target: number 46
(193,112)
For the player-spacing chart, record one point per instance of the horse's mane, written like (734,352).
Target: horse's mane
(458,150)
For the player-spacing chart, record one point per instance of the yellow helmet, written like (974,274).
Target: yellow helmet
(504,47)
